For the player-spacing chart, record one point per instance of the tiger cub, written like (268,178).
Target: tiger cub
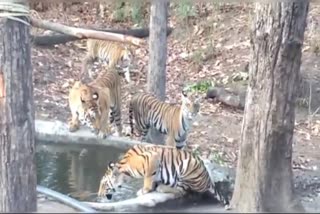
(114,54)
(90,104)
(173,120)
(164,169)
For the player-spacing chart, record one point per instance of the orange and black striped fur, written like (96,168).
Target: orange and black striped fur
(91,103)
(115,54)
(163,168)
(173,120)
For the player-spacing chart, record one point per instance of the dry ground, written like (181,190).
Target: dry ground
(213,45)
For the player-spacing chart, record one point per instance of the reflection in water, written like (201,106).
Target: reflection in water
(76,170)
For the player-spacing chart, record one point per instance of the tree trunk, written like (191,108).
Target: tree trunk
(158,56)
(17,131)
(264,180)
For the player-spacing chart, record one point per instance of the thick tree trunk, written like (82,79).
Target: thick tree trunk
(17,131)
(158,56)
(264,174)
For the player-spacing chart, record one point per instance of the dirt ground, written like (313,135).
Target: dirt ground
(211,45)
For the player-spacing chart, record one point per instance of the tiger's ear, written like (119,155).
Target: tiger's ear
(95,96)
(184,96)
(77,84)
(111,165)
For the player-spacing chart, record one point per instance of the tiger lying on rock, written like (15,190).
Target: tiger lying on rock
(163,168)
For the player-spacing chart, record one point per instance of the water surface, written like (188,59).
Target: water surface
(76,170)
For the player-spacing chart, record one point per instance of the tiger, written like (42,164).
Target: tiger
(114,54)
(91,103)
(173,120)
(164,169)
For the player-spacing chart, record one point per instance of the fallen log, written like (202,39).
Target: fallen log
(65,199)
(148,200)
(236,100)
(50,40)
(85,33)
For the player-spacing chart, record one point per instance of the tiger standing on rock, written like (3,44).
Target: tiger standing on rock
(173,120)
(164,169)
(91,103)
(115,54)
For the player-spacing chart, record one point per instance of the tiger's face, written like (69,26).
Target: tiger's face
(190,105)
(126,60)
(88,110)
(111,181)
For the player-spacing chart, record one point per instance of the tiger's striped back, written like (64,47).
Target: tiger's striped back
(173,120)
(176,168)
(114,54)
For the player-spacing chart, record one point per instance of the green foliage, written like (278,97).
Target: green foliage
(201,86)
(136,11)
(185,9)
(120,13)
(196,152)
(217,158)
(123,11)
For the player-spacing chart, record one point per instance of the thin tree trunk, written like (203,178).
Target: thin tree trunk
(264,180)
(158,56)
(17,131)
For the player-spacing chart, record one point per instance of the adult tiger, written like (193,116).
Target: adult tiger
(114,54)
(173,120)
(90,104)
(163,168)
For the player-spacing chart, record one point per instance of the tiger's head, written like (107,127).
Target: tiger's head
(125,65)
(190,105)
(112,180)
(87,98)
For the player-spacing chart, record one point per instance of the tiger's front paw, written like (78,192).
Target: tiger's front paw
(143,191)
(94,131)
(72,127)
(102,135)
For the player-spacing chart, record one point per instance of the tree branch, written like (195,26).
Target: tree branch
(148,200)
(85,33)
(49,40)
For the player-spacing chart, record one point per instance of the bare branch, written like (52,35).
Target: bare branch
(148,200)
(86,33)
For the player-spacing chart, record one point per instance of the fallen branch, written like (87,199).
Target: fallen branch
(85,33)
(226,97)
(148,200)
(64,199)
(49,40)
